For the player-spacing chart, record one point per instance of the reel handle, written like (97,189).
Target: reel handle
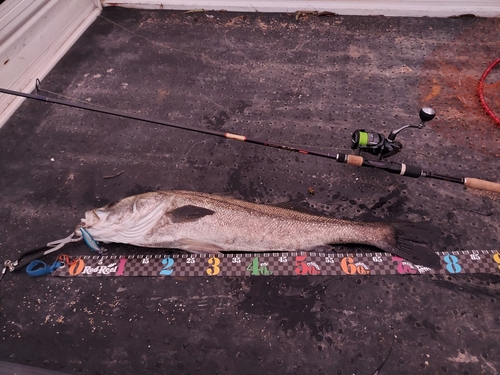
(426,114)
(377,144)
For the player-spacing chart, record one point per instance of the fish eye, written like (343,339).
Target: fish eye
(111,204)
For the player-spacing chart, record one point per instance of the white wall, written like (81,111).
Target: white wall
(34,35)
(410,8)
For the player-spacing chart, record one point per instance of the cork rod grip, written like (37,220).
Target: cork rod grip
(476,183)
(354,160)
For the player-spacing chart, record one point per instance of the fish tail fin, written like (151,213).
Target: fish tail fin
(411,243)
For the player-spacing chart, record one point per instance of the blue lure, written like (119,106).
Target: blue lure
(89,240)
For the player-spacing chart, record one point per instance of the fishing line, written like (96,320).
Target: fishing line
(356,160)
(377,371)
(164,45)
(38,89)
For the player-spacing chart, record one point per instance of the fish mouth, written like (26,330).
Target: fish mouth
(94,216)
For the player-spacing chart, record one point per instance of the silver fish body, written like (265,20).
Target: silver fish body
(206,223)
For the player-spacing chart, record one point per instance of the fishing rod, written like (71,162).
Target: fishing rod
(374,143)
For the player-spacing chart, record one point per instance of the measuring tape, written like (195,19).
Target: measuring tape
(277,264)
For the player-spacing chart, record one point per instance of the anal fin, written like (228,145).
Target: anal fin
(198,247)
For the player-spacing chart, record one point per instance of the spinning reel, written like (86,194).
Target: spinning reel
(377,144)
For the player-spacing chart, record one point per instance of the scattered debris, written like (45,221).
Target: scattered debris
(304,13)
(114,175)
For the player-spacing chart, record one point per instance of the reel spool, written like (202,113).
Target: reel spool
(377,144)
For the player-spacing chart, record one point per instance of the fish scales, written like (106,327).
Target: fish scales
(206,223)
(245,226)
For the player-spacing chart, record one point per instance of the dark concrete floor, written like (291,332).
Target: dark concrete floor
(308,81)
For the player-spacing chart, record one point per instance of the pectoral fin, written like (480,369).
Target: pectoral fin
(188,213)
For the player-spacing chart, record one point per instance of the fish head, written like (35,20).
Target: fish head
(112,213)
(123,213)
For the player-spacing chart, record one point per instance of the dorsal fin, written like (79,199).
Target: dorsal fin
(294,205)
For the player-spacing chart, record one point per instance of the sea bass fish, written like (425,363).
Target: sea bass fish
(206,223)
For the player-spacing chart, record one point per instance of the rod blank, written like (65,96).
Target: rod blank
(391,167)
